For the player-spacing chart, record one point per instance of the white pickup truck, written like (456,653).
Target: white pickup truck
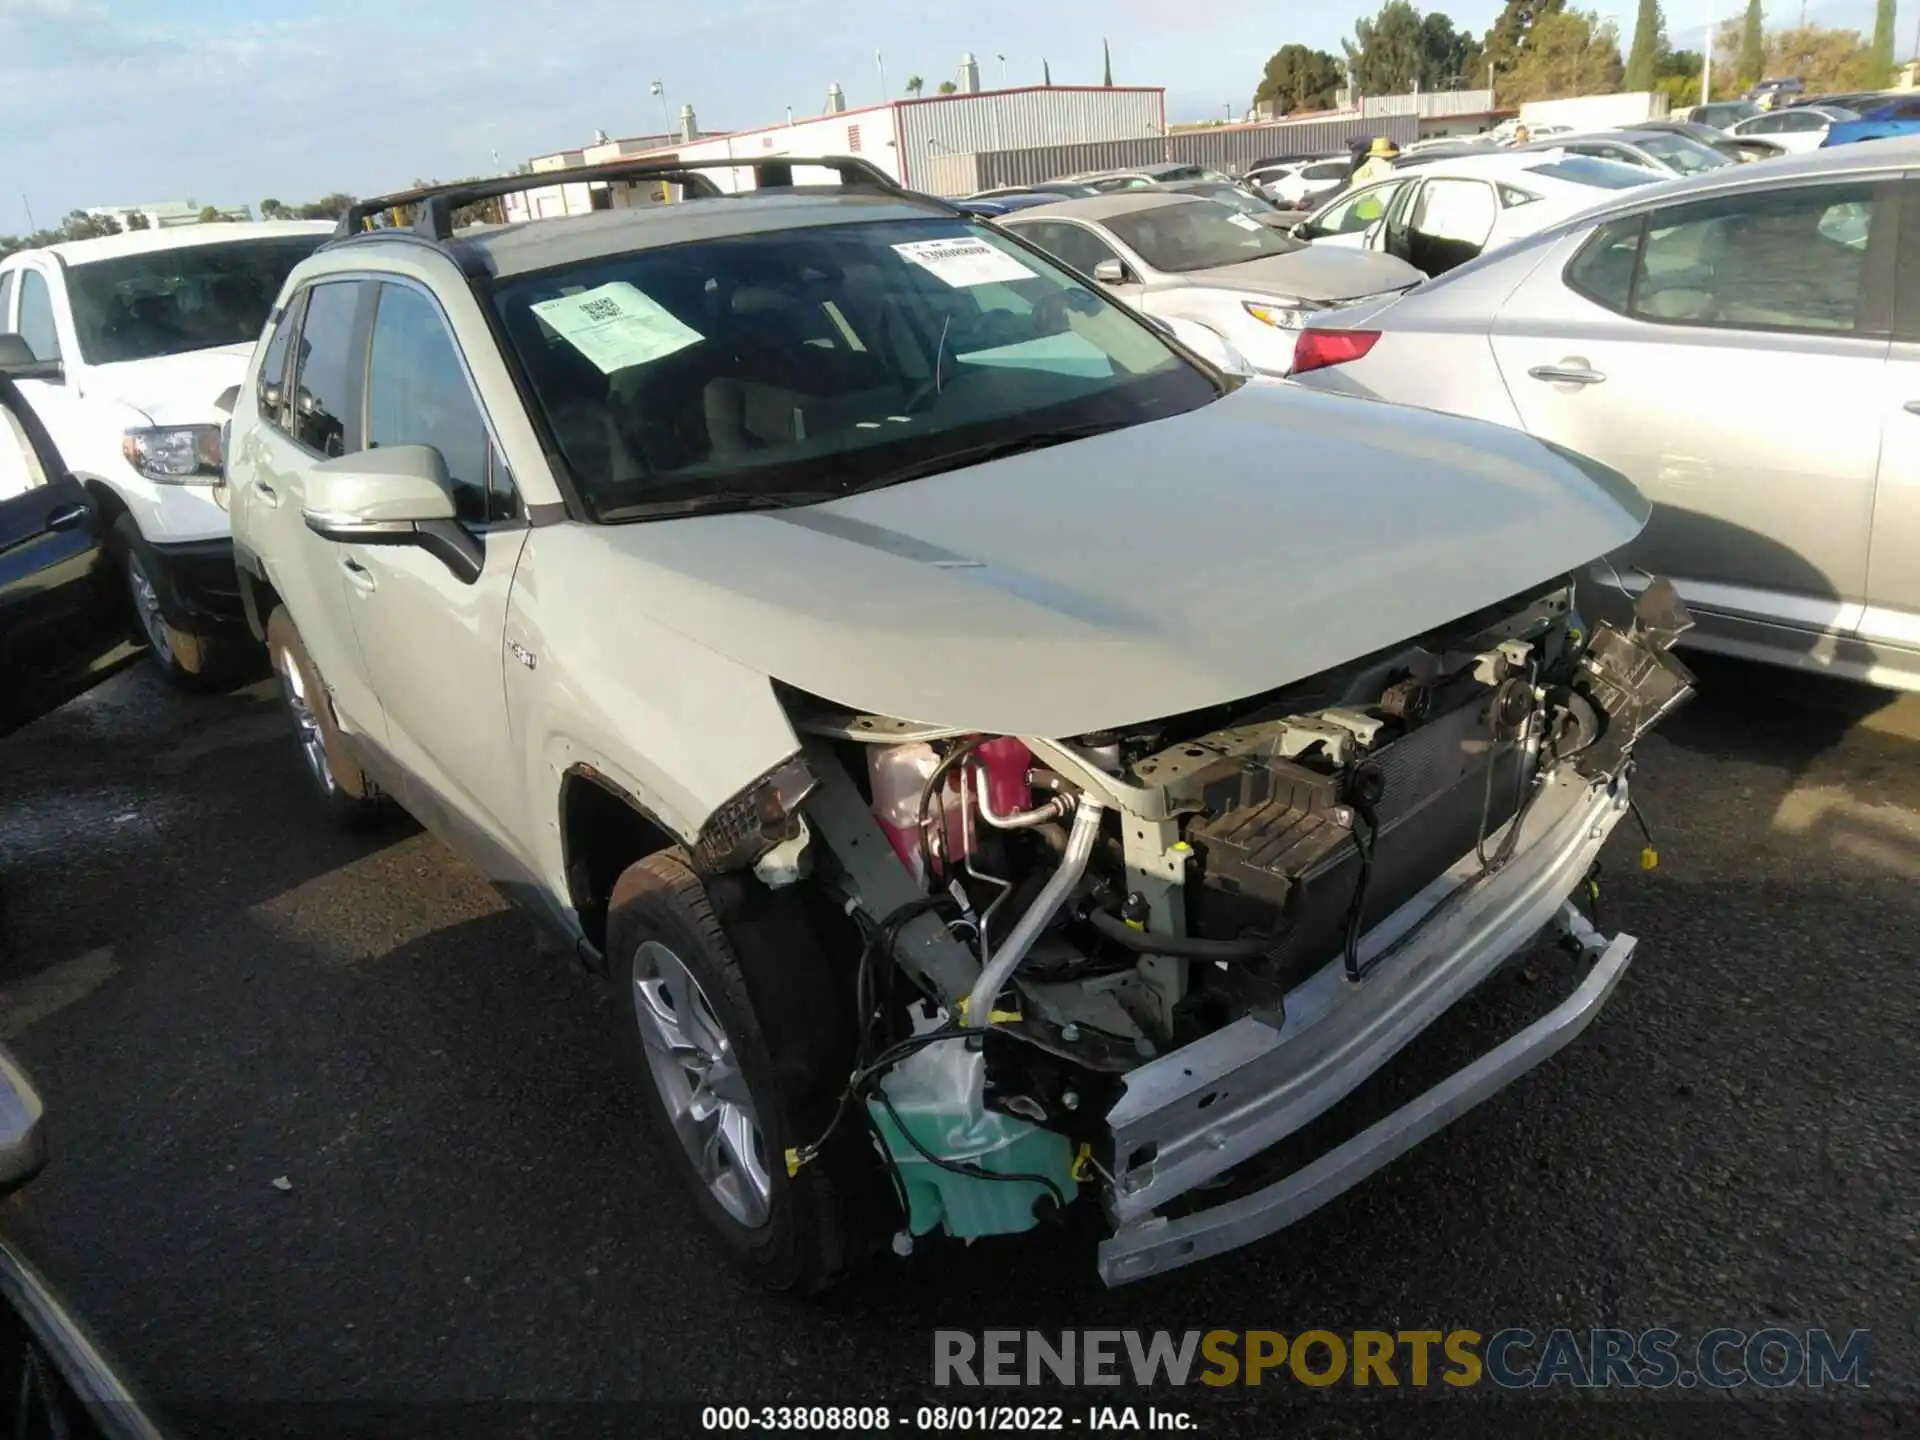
(123,346)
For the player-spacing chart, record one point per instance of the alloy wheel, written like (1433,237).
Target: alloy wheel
(697,1072)
(306,724)
(146,606)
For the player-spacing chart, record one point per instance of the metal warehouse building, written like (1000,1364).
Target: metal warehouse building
(935,144)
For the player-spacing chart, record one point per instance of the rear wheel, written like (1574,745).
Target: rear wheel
(349,796)
(742,1045)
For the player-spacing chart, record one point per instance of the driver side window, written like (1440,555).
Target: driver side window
(20,469)
(1069,244)
(418,394)
(1358,211)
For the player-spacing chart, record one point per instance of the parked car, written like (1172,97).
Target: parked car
(1723,342)
(1899,117)
(1004,204)
(145,331)
(1858,101)
(1059,189)
(764,588)
(1444,213)
(1723,114)
(1743,148)
(1661,151)
(1771,93)
(1296,186)
(64,625)
(1241,202)
(1184,256)
(1141,176)
(1798,128)
(58,1381)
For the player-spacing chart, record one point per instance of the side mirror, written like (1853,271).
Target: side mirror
(23,1141)
(18,361)
(1110,272)
(393,495)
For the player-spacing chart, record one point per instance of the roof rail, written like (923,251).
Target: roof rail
(433,205)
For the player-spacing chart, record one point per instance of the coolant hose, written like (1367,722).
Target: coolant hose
(1073,865)
(1180,947)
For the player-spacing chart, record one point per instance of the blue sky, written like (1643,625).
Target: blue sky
(229,101)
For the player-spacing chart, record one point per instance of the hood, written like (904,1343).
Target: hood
(173,389)
(1164,568)
(1314,272)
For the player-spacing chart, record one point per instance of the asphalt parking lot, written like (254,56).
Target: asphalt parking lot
(214,992)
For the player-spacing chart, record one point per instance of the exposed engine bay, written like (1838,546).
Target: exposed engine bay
(1043,917)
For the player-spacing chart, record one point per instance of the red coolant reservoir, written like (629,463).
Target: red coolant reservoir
(1006,762)
(899,773)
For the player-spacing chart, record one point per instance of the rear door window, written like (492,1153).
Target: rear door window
(327,386)
(6,301)
(270,391)
(1790,260)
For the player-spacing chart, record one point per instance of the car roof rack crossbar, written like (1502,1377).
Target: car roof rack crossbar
(433,206)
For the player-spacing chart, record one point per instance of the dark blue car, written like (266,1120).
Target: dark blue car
(1899,117)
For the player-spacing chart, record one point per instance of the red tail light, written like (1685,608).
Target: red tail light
(1317,349)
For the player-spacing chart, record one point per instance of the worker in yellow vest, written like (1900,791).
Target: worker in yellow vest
(1379,162)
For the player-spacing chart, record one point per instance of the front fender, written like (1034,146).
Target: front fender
(668,723)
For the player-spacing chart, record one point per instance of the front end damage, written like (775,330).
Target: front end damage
(1131,964)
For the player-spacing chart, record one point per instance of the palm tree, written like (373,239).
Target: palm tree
(915,85)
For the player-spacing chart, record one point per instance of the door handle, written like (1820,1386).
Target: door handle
(68,517)
(1912,407)
(1571,371)
(269,497)
(358,575)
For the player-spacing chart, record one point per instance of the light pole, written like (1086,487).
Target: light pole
(666,123)
(881,61)
(1706,64)
(1003,70)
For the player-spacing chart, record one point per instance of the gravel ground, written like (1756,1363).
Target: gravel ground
(214,992)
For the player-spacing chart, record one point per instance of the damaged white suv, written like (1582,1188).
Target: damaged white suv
(1004,764)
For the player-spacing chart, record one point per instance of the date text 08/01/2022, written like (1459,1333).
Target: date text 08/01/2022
(970,1419)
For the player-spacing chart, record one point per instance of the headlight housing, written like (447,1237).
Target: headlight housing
(1281,314)
(175,454)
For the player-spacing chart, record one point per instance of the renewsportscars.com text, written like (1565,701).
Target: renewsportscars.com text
(1510,1359)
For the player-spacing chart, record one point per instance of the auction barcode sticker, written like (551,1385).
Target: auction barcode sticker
(616,326)
(963,261)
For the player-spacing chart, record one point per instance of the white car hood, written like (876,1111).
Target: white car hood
(1314,272)
(173,389)
(1160,569)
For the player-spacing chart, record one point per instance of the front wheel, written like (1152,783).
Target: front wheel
(187,660)
(743,1044)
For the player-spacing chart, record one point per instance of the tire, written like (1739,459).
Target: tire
(345,790)
(764,998)
(187,660)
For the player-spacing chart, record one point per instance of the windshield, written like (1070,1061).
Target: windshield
(1681,153)
(1602,174)
(193,297)
(800,365)
(1197,235)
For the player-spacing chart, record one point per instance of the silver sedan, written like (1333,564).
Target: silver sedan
(1736,344)
(1189,259)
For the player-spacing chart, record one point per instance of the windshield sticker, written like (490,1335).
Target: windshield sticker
(1246,222)
(963,261)
(616,326)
